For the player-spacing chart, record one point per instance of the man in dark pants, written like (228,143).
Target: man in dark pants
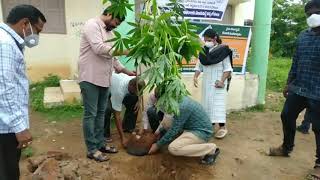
(303,86)
(22,28)
(121,86)
(129,119)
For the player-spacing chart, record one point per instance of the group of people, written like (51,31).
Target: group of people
(106,86)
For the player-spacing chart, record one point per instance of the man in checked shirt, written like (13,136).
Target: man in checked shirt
(22,28)
(303,86)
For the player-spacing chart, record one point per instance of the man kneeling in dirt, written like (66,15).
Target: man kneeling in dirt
(195,129)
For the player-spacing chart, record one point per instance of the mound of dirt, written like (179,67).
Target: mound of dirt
(139,145)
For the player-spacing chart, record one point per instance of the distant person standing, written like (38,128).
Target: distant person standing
(303,86)
(216,65)
(22,28)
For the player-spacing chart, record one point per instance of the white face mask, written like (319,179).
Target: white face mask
(32,40)
(209,44)
(314,20)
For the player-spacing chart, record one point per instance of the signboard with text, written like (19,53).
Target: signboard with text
(236,37)
(199,9)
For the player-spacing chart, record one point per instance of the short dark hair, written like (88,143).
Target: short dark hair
(106,12)
(25,11)
(141,83)
(311,4)
(212,34)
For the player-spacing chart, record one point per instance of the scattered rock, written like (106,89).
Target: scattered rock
(48,170)
(58,155)
(239,160)
(34,162)
(69,171)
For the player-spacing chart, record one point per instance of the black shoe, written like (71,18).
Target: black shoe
(302,130)
(210,159)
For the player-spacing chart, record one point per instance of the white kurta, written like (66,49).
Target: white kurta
(214,99)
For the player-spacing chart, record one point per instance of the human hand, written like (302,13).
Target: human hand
(219,84)
(195,82)
(285,91)
(24,139)
(124,143)
(154,148)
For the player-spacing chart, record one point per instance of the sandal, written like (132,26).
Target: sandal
(98,156)
(315,174)
(109,149)
(221,133)
(109,140)
(210,159)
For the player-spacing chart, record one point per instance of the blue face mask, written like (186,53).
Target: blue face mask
(31,40)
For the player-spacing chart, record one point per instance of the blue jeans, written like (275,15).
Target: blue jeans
(94,102)
(292,108)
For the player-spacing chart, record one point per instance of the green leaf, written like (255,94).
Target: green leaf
(146,17)
(104,1)
(154,8)
(117,34)
(165,16)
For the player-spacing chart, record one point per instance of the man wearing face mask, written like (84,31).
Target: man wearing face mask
(96,64)
(22,28)
(303,86)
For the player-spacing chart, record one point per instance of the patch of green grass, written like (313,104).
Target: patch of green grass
(278,73)
(257,108)
(62,113)
(27,152)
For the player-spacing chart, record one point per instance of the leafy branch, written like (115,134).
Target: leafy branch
(161,43)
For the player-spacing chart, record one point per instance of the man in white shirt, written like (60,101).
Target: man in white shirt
(124,86)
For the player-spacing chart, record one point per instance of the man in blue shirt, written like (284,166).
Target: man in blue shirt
(303,86)
(22,28)
(189,133)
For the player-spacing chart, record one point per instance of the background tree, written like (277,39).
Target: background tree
(287,22)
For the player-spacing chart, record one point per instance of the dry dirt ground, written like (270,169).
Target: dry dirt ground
(243,152)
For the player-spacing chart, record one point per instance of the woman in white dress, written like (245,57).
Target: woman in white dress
(216,65)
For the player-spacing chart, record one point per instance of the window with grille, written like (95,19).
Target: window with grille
(54,11)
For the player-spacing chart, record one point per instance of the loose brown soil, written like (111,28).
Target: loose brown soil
(243,152)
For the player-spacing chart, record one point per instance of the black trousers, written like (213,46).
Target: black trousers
(107,119)
(293,106)
(154,117)
(130,117)
(9,157)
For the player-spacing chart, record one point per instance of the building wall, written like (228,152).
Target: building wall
(58,53)
(243,11)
